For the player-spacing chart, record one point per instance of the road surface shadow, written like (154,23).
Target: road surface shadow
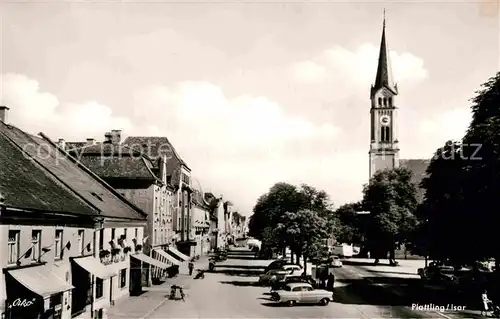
(242,283)
(362,263)
(391,272)
(223,266)
(238,272)
(241,257)
(387,291)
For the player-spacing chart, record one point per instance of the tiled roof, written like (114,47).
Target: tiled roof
(418,167)
(27,185)
(154,146)
(70,145)
(90,188)
(115,161)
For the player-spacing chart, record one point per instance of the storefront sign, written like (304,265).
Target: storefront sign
(23,303)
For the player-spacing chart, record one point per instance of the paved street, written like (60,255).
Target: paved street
(361,292)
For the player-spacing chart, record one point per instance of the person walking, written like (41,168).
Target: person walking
(331,281)
(191,268)
(486,303)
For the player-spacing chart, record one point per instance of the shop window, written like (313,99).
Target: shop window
(36,243)
(99,288)
(58,243)
(123,278)
(13,246)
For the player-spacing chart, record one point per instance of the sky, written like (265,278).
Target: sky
(250,93)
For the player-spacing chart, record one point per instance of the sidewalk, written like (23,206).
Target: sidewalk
(139,307)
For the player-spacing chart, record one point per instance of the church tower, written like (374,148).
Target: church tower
(384,150)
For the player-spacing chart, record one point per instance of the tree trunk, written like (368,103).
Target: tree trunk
(291,256)
(305,263)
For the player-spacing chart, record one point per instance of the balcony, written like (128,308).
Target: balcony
(116,255)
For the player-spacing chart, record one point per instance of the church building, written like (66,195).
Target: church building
(384,143)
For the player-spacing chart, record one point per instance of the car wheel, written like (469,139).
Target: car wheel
(325,301)
(290,303)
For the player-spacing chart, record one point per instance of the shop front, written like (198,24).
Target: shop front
(138,263)
(173,264)
(92,281)
(36,293)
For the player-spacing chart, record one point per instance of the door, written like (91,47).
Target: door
(308,295)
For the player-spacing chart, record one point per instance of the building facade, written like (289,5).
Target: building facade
(201,222)
(141,180)
(58,225)
(180,178)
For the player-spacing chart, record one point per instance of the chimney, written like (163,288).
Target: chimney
(116,136)
(61,143)
(91,141)
(107,137)
(4,112)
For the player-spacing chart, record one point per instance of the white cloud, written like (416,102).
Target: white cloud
(448,125)
(241,143)
(348,68)
(36,111)
(308,71)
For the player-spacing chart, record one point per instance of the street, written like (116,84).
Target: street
(232,292)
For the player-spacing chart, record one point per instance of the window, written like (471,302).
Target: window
(385,101)
(36,243)
(101,239)
(390,101)
(125,233)
(156,236)
(379,101)
(113,233)
(123,277)
(58,244)
(136,232)
(99,288)
(81,245)
(13,246)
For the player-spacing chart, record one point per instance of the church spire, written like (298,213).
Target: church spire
(384,72)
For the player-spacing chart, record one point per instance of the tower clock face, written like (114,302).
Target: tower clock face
(385,120)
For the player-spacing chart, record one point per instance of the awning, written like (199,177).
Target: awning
(41,280)
(95,267)
(169,257)
(153,262)
(178,253)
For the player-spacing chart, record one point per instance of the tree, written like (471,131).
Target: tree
(391,199)
(349,225)
(308,230)
(444,212)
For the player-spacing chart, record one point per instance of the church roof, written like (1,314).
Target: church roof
(384,76)
(419,168)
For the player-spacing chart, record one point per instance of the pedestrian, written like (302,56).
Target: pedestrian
(486,303)
(191,268)
(331,282)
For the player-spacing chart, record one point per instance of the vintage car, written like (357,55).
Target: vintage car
(277,264)
(280,285)
(277,274)
(336,262)
(294,293)
(292,268)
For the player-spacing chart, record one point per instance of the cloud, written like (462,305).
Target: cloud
(36,111)
(239,143)
(448,125)
(357,68)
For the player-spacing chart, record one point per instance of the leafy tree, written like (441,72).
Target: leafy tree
(308,230)
(391,199)
(349,226)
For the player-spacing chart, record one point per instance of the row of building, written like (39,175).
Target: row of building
(83,224)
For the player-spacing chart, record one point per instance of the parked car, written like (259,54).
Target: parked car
(294,293)
(277,264)
(279,274)
(293,279)
(292,268)
(336,262)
